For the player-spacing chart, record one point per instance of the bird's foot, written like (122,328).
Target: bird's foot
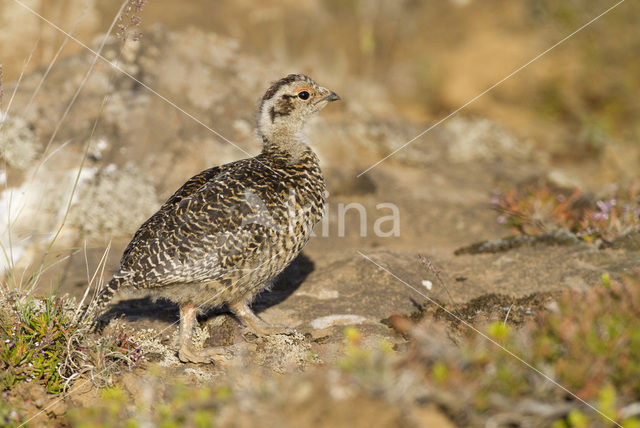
(255,324)
(265,329)
(188,354)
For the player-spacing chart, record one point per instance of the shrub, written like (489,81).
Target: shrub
(537,210)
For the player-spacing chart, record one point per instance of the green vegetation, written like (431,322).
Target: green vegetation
(185,406)
(536,210)
(9,415)
(41,342)
(368,366)
(587,343)
(33,343)
(597,100)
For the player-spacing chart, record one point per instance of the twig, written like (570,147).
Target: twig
(1,90)
(100,267)
(436,272)
(132,19)
(630,410)
(507,316)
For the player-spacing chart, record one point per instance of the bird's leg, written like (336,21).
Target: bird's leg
(187,353)
(256,325)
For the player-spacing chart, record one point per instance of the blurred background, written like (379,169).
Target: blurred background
(426,58)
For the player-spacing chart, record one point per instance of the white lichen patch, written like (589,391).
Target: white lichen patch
(98,148)
(115,201)
(202,376)
(331,320)
(30,213)
(284,352)
(149,341)
(475,139)
(18,143)
(322,294)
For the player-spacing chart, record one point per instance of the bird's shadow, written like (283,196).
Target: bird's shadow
(163,310)
(285,284)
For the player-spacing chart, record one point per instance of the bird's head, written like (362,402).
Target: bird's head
(288,103)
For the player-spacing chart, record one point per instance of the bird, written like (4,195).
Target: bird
(226,234)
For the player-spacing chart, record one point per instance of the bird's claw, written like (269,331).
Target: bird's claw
(207,355)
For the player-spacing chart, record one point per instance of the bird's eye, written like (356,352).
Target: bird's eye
(303,95)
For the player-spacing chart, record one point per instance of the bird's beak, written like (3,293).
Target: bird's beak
(332,96)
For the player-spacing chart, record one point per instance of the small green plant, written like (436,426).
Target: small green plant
(499,331)
(368,366)
(617,215)
(41,343)
(33,344)
(183,406)
(110,412)
(354,355)
(536,210)
(9,415)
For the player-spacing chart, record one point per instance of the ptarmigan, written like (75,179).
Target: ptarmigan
(228,231)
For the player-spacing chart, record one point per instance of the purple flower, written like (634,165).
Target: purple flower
(502,219)
(600,216)
(602,206)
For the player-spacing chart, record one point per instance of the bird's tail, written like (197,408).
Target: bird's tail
(95,308)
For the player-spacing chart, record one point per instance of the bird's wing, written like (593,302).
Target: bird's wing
(207,233)
(188,188)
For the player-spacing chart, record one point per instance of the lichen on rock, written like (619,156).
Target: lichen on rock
(18,143)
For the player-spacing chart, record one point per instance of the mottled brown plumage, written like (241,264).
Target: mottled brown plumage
(228,231)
